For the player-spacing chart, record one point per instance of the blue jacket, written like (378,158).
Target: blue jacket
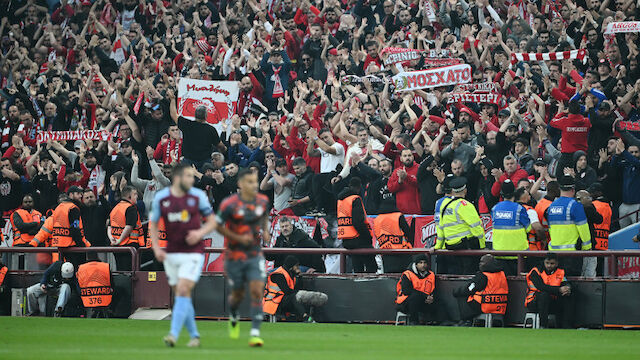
(630,176)
(267,69)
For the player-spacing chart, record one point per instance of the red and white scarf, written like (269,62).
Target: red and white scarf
(278,90)
(561,55)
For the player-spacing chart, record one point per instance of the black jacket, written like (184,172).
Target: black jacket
(537,281)
(298,239)
(407,285)
(282,283)
(359,221)
(478,282)
(94,220)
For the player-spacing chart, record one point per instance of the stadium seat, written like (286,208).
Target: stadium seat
(400,316)
(489,319)
(534,320)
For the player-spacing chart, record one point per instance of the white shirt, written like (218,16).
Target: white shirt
(533,216)
(328,161)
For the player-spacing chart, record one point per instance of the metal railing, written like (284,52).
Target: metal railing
(612,255)
(62,251)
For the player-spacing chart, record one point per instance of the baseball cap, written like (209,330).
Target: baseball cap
(78,144)
(540,162)
(604,62)
(67,270)
(595,188)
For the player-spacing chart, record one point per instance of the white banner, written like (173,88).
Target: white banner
(623,27)
(431,78)
(219,97)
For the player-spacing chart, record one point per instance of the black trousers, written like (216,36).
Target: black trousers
(459,265)
(123,260)
(395,263)
(416,308)
(572,265)
(361,263)
(562,307)
(468,310)
(509,266)
(289,304)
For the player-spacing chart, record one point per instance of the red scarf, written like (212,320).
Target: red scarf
(278,90)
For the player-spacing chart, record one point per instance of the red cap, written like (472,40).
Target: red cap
(333,51)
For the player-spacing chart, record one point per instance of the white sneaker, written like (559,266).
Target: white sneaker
(169,340)
(194,342)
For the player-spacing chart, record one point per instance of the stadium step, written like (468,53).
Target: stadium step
(151,314)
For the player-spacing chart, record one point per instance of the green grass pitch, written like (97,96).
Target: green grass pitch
(48,338)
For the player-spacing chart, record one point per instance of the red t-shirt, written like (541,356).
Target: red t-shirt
(575,132)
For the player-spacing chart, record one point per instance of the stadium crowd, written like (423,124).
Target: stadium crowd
(317,108)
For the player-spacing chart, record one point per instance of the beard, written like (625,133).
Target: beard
(184,187)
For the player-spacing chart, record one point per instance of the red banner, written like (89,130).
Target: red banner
(425,235)
(475,97)
(98,135)
(629,267)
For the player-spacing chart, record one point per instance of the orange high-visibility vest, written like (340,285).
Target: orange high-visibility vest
(43,238)
(602,229)
(493,298)
(61,234)
(426,285)
(555,279)
(534,244)
(94,280)
(541,208)
(162,235)
(118,221)
(27,216)
(388,232)
(273,294)
(346,230)
(3,274)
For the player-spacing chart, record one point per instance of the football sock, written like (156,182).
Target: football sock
(179,314)
(234,314)
(256,317)
(190,321)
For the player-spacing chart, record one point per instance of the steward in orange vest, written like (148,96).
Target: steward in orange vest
(25,222)
(604,209)
(393,232)
(549,291)
(486,293)
(124,221)
(43,238)
(94,280)
(125,228)
(282,293)
(162,235)
(3,274)
(353,227)
(414,290)
(67,222)
(68,230)
(553,192)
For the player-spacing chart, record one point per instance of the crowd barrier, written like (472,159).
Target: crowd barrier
(612,255)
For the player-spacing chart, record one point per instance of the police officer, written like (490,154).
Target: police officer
(125,228)
(459,228)
(393,232)
(353,228)
(68,230)
(568,227)
(510,226)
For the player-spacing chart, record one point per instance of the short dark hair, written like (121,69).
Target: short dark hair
(299,162)
(551,256)
(574,107)
(244,172)
(324,130)
(127,191)
(179,169)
